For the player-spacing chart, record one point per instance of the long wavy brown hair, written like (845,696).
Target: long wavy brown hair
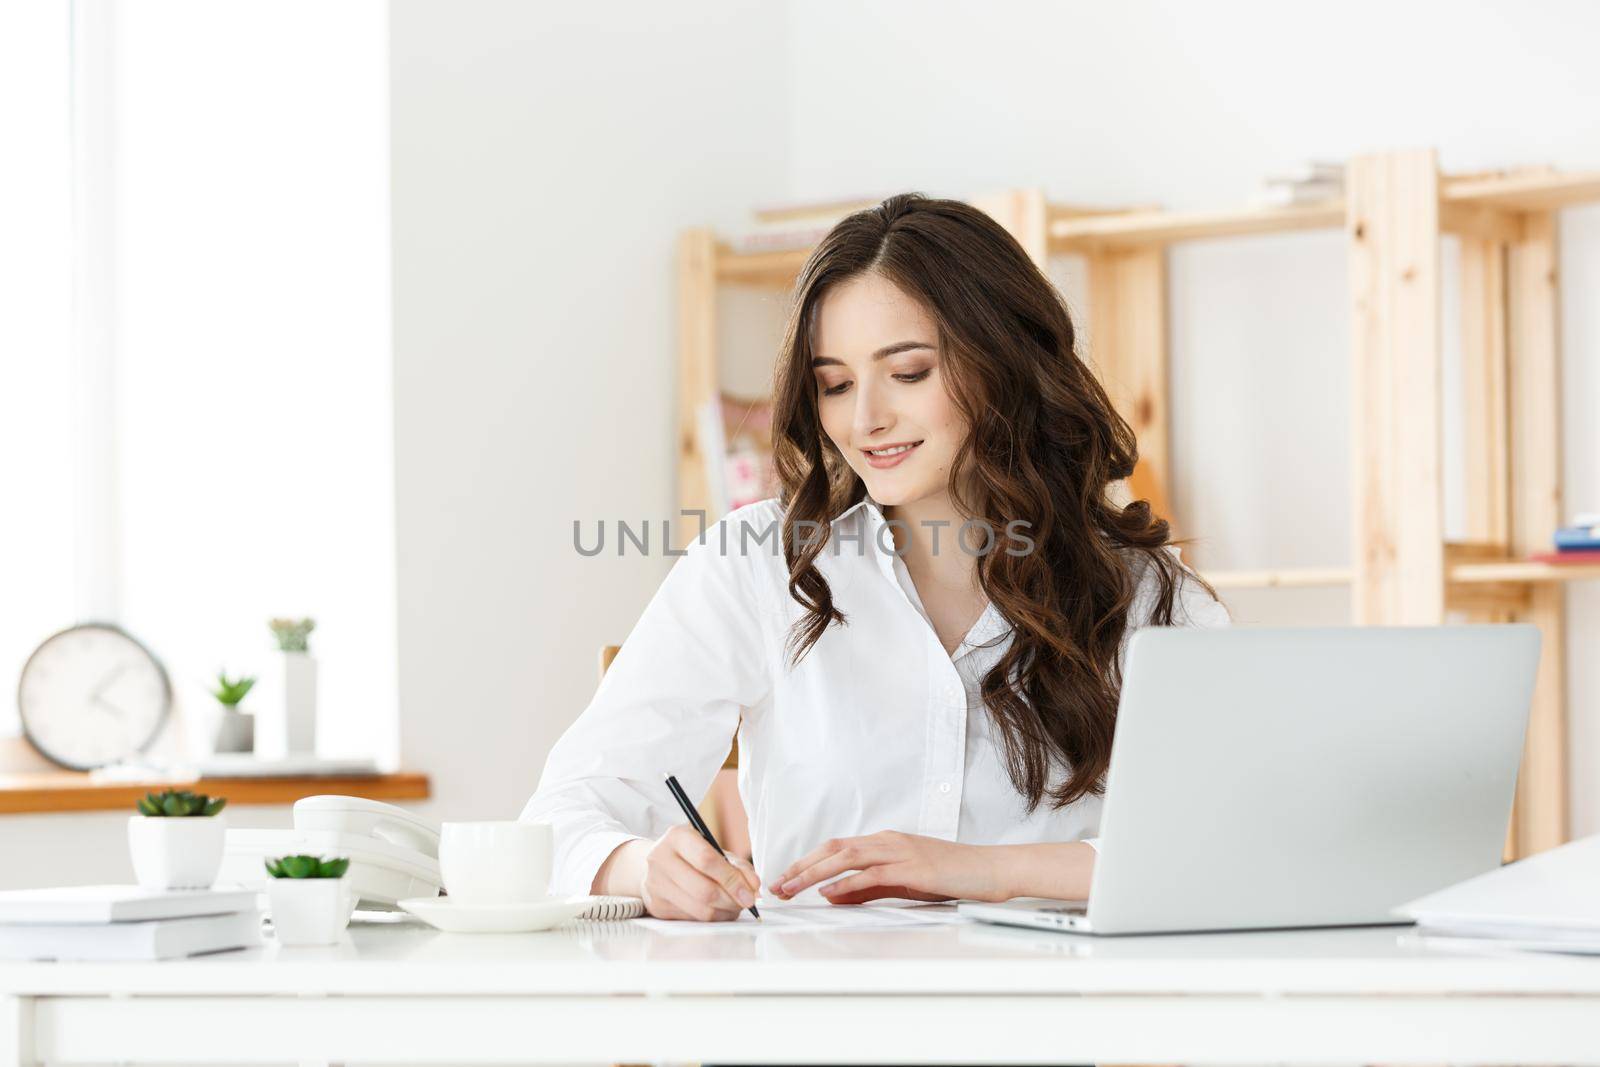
(1044,445)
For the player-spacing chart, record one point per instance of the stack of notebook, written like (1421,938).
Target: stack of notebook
(1577,543)
(1310,182)
(1549,902)
(125,922)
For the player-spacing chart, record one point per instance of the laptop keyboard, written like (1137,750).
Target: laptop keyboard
(1070,907)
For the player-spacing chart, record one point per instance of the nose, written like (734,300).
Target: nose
(872,414)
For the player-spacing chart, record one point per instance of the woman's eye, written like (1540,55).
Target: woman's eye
(917,377)
(835,390)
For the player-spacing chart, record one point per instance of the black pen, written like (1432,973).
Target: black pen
(699,824)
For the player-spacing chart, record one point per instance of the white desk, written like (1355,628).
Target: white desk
(947,994)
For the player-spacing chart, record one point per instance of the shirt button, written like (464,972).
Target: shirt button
(944,787)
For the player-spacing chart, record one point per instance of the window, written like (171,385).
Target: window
(38,394)
(217,448)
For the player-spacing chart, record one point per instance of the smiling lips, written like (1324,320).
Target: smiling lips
(889,455)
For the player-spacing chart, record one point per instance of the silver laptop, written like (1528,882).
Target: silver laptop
(1268,778)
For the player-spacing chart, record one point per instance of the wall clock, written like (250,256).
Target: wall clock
(92,695)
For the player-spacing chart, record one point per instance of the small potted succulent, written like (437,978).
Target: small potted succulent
(309,899)
(176,839)
(236,729)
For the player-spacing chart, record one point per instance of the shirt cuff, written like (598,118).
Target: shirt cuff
(576,878)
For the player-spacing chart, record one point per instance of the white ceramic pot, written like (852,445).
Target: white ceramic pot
(300,701)
(308,911)
(286,711)
(176,852)
(236,731)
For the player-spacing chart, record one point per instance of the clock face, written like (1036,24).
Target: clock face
(92,695)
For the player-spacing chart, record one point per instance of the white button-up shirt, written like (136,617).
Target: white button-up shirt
(877,728)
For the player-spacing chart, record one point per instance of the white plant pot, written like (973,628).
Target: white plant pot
(286,715)
(235,731)
(309,911)
(176,852)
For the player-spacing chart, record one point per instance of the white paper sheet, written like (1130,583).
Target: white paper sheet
(1557,888)
(785,915)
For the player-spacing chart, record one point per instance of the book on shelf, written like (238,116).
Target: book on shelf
(1311,182)
(144,939)
(1567,557)
(81,904)
(1577,538)
(1307,171)
(1293,195)
(736,441)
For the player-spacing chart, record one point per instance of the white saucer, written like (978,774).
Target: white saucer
(458,918)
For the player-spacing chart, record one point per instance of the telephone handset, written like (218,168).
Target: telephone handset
(394,853)
(358,815)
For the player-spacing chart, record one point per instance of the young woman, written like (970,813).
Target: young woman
(920,641)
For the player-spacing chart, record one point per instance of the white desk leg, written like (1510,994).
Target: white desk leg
(16,1032)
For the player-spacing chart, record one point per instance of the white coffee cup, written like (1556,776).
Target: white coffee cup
(496,862)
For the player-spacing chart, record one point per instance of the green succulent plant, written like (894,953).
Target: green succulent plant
(307,867)
(179,802)
(229,693)
(291,634)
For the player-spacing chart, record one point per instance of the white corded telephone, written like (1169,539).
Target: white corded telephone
(394,853)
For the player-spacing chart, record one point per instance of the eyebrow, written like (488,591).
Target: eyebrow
(882,353)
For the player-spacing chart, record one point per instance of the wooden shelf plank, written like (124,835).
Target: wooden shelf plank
(1474,572)
(1074,228)
(1502,193)
(1283,577)
(779,268)
(774,269)
(1521,570)
(73,791)
(1548,191)
(1056,211)
(1166,227)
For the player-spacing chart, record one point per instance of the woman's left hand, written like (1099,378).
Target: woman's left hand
(894,864)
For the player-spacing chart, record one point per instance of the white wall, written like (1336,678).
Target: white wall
(545,158)
(1187,105)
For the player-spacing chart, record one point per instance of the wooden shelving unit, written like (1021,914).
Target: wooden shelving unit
(1395,209)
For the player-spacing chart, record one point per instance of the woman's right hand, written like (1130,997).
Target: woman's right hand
(685,878)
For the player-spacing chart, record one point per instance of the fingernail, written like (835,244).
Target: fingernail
(787,888)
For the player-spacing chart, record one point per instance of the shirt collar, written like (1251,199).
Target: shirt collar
(873,510)
(990,624)
(873,519)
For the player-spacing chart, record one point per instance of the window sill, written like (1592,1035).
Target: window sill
(33,793)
